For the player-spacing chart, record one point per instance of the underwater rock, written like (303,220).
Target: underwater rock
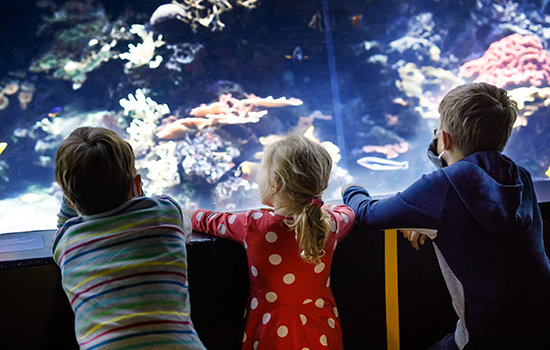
(236,193)
(160,167)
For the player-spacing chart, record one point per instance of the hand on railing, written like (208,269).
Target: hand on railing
(414,237)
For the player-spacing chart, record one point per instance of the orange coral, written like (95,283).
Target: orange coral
(391,151)
(515,59)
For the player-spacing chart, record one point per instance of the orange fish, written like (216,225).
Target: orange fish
(356,20)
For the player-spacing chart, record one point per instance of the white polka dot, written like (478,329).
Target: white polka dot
(332,207)
(245,244)
(289,278)
(335,244)
(256,215)
(244,337)
(275,259)
(331,323)
(345,217)
(328,282)
(221,229)
(282,331)
(199,215)
(272,213)
(267,317)
(305,348)
(271,297)
(319,268)
(303,318)
(307,301)
(256,344)
(247,213)
(254,303)
(335,311)
(332,226)
(323,340)
(271,236)
(212,215)
(245,312)
(254,271)
(337,227)
(319,303)
(232,218)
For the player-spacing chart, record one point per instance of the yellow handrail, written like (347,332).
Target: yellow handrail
(392,295)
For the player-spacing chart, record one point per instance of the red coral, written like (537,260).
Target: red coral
(515,59)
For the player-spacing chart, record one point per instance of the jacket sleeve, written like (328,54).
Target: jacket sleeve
(419,206)
(65,213)
(226,225)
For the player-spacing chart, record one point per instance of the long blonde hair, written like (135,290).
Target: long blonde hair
(301,169)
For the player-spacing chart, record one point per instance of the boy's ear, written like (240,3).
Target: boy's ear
(137,182)
(447,140)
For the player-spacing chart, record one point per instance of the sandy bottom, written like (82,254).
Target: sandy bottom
(29,212)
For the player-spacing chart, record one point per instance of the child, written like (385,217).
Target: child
(482,214)
(289,249)
(122,256)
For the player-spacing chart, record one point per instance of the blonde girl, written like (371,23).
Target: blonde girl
(289,249)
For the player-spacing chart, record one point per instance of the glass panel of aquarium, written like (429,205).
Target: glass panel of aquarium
(200,88)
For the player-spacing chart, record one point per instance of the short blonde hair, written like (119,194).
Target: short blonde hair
(301,170)
(479,117)
(95,168)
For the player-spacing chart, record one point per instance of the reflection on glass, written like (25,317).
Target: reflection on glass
(201,88)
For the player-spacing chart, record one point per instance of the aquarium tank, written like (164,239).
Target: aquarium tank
(200,88)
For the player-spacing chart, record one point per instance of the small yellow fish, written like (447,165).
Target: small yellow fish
(248,170)
(3,146)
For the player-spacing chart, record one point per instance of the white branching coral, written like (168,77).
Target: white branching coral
(145,113)
(162,168)
(143,53)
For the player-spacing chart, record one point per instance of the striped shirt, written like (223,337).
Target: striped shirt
(125,274)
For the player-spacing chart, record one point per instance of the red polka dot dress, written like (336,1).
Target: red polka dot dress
(291,304)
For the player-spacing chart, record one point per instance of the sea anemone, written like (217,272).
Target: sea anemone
(27,87)
(4,102)
(24,99)
(11,88)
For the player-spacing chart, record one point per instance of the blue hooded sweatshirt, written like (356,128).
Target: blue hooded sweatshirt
(484,219)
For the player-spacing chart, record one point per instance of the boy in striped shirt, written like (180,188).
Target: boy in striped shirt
(122,256)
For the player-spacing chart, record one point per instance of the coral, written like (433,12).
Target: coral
(514,60)
(428,84)
(4,102)
(236,193)
(390,151)
(145,113)
(144,52)
(183,53)
(206,156)
(530,100)
(161,165)
(83,40)
(207,15)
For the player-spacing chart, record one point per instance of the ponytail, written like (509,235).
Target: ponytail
(312,226)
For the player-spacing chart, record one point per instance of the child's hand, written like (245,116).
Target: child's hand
(414,237)
(346,186)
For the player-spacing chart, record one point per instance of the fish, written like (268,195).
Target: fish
(375,163)
(55,112)
(3,146)
(297,56)
(340,18)
(247,170)
(356,20)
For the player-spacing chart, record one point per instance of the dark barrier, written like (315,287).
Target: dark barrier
(35,313)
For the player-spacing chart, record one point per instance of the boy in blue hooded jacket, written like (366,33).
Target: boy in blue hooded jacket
(481,212)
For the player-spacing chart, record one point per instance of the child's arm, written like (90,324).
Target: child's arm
(65,213)
(345,219)
(226,225)
(419,206)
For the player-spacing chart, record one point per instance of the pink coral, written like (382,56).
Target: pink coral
(515,59)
